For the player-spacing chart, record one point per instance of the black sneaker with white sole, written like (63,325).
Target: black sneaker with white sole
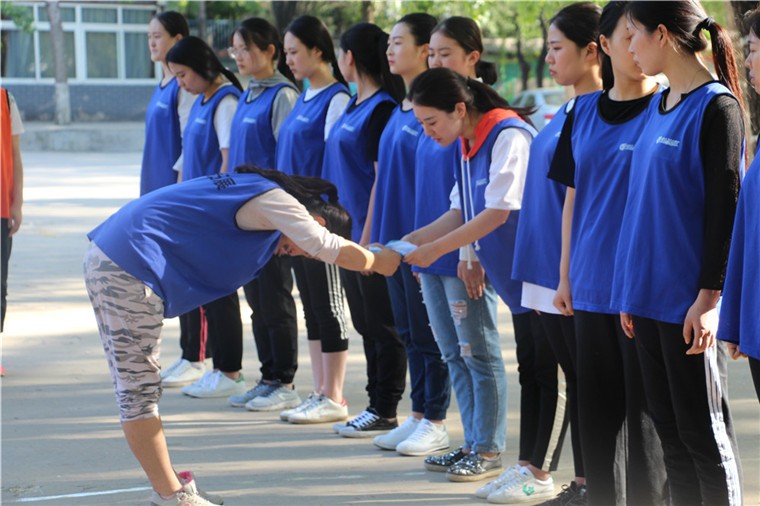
(367,424)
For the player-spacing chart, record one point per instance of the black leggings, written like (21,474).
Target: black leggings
(225,326)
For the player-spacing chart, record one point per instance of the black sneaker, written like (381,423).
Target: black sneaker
(571,495)
(367,424)
(442,463)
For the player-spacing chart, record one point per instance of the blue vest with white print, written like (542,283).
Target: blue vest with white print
(435,168)
(495,250)
(659,253)
(347,162)
(539,234)
(602,153)
(252,139)
(201,145)
(301,140)
(183,240)
(163,139)
(393,216)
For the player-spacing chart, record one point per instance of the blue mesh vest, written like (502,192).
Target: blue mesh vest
(163,139)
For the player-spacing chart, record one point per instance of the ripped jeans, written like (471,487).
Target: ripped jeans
(468,338)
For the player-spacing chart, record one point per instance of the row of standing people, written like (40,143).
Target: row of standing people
(375,153)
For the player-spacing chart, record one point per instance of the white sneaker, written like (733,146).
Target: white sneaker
(427,438)
(167,371)
(391,440)
(492,486)
(278,398)
(184,373)
(284,415)
(240,400)
(523,487)
(215,384)
(188,495)
(321,410)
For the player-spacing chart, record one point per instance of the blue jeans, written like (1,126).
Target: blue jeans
(429,376)
(469,343)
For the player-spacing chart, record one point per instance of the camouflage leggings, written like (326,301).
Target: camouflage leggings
(130,317)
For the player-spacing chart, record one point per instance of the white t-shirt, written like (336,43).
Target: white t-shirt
(185,102)
(17,126)
(337,105)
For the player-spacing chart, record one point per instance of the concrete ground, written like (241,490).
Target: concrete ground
(61,440)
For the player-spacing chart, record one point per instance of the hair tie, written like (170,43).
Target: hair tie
(706,23)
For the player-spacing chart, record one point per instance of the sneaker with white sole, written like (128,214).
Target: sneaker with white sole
(240,400)
(368,424)
(474,467)
(215,384)
(284,415)
(184,373)
(337,427)
(442,463)
(188,495)
(492,486)
(278,398)
(571,495)
(427,438)
(390,440)
(523,487)
(322,410)
(166,371)
(187,477)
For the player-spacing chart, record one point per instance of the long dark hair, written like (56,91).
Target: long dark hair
(368,43)
(261,33)
(314,34)
(420,26)
(442,88)
(467,34)
(752,21)
(608,21)
(579,22)
(173,22)
(311,192)
(196,54)
(685,21)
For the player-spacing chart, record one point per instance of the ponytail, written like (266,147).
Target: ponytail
(309,191)
(723,57)
(196,54)
(314,34)
(368,44)
(442,88)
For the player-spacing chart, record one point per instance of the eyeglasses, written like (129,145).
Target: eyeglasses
(234,51)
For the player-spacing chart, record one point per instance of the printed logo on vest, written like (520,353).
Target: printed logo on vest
(409,130)
(347,127)
(668,142)
(201,121)
(162,105)
(626,147)
(303,119)
(222,181)
(250,121)
(481,182)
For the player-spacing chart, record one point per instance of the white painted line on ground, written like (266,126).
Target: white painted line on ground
(83,494)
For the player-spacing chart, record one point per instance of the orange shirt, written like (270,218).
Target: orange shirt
(6,156)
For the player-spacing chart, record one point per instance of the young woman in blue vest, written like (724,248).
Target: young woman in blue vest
(423,431)
(310,55)
(205,152)
(673,248)
(165,119)
(593,160)
(350,162)
(257,49)
(490,174)
(739,323)
(136,275)
(462,311)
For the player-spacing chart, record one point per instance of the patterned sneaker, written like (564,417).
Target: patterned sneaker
(215,385)
(188,478)
(474,468)
(278,398)
(187,496)
(321,410)
(261,388)
(571,495)
(166,372)
(523,487)
(337,427)
(427,438)
(284,415)
(391,440)
(368,424)
(493,486)
(184,373)
(442,463)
